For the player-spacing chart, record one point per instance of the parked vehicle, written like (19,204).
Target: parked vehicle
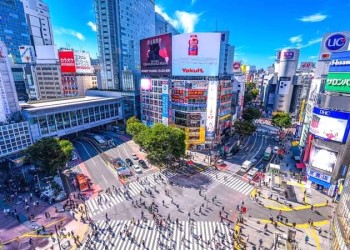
(129,162)
(251,174)
(82,182)
(143,164)
(137,169)
(134,156)
(275,150)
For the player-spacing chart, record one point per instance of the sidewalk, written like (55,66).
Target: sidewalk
(253,230)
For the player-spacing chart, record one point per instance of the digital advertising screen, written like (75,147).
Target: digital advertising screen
(196,54)
(67,61)
(330,125)
(322,158)
(156,55)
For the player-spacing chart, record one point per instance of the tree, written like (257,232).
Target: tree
(248,97)
(282,120)
(134,126)
(251,113)
(250,86)
(244,128)
(50,154)
(160,142)
(254,93)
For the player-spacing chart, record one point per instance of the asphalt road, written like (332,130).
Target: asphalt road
(100,173)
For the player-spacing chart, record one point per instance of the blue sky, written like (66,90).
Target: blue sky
(257,28)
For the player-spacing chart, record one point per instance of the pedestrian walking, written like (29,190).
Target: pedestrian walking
(306,239)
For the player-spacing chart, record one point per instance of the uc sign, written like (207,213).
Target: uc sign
(335,42)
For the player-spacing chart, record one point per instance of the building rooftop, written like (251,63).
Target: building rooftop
(63,102)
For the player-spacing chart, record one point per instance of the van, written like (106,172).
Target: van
(246,165)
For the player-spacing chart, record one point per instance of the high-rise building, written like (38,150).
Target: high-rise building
(8,95)
(163,26)
(14,30)
(121,24)
(48,78)
(39,22)
(20,82)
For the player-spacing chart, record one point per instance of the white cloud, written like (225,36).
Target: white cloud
(184,21)
(64,31)
(296,39)
(92,25)
(187,20)
(318,17)
(313,57)
(309,43)
(193,2)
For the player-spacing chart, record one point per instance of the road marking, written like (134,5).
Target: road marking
(87,151)
(104,179)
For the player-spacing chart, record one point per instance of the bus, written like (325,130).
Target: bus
(267,153)
(100,140)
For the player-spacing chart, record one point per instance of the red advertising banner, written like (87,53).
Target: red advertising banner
(195,92)
(67,61)
(156,55)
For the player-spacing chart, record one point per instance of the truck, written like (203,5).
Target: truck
(267,153)
(246,165)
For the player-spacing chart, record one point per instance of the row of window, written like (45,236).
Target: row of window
(66,120)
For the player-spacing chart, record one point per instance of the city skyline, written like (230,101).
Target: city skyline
(296,28)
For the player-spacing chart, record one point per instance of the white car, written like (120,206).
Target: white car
(134,156)
(251,174)
(275,150)
(220,161)
(137,169)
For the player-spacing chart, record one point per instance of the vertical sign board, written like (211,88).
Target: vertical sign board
(27,54)
(82,62)
(67,61)
(212,100)
(333,42)
(165,103)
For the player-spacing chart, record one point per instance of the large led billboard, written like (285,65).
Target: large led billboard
(338,82)
(82,62)
(212,100)
(196,54)
(330,125)
(156,55)
(322,159)
(67,61)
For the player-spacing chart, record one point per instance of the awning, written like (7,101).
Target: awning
(300,165)
(320,182)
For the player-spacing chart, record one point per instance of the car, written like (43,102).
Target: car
(137,169)
(251,174)
(220,161)
(277,138)
(134,156)
(260,167)
(253,161)
(129,162)
(275,150)
(143,164)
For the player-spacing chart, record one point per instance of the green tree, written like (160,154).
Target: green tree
(248,97)
(250,86)
(134,126)
(244,128)
(282,120)
(162,143)
(254,93)
(50,154)
(251,113)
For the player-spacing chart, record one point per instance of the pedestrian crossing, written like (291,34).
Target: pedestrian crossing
(229,181)
(106,201)
(146,236)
